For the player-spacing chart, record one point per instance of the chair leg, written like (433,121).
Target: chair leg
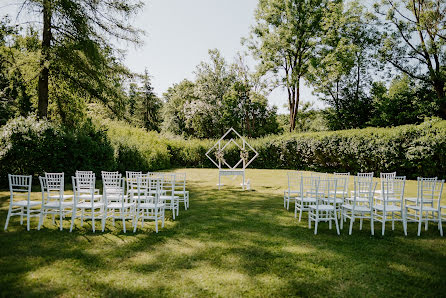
(27,219)
(21,215)
(309,218)
(372,224)
(440,224)
(336,222)
(300,212)
(419,223)
(360,224)
(92,220)
(7,218)
(156,220)
(60,219)
(404,222)
(342,219)
(393,222)
(40,219)
(123,221)
(383,224)
(352,219)
(135,220)
(316,221)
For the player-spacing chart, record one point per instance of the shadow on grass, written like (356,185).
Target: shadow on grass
(229,243)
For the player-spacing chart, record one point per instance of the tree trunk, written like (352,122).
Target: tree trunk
(294,104)
(42,109)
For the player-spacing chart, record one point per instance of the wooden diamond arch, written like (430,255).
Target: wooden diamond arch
(224,169)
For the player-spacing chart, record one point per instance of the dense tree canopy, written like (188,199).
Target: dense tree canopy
(221,97)
(283,40)
(370,67)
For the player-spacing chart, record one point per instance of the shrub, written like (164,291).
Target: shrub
(411,150)
(135,148)
(31,147)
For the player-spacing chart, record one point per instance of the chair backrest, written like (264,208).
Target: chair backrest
(392,190)
(43,187)
(111,182)
(389,177)
(180,181)
(342,184)
(79,173)
(20,185)
(327,191)
(363,188)
(115,192)
(308,186)
(84,185)
(131,181)
(425,190)
(55,185)
(168,183)
(293,181)
(144,184)
(365,175)
(438,192)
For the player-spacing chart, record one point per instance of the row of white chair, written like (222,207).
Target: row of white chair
(137,197)
(326,198)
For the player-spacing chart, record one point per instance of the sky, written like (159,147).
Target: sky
(179,34)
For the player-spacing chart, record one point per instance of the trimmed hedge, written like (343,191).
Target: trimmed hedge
(410,150)
(29,146)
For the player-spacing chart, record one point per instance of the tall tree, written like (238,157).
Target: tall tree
(149,105)
(341,69)
(283,39)
(414,36)
(75,35)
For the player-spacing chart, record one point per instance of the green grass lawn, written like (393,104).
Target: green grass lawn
(229,243)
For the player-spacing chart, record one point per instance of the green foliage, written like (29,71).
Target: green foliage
(143,106)
(404,103)
(135,148)
(283,40)
(29,146)
(413,41)
(221,97)
(341,68)
(410,150)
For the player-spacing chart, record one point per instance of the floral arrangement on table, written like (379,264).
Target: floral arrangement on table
(220,156)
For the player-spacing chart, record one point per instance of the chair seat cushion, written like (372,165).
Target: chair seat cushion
(25,203)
